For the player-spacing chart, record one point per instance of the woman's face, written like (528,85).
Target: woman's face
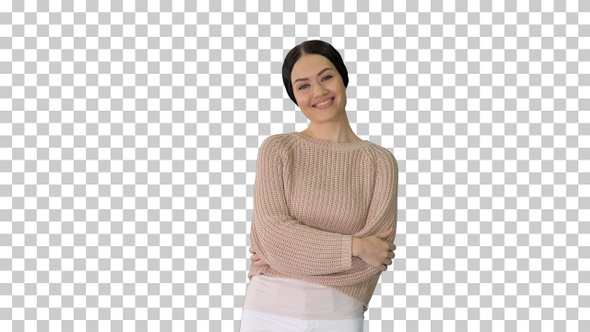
(318,88)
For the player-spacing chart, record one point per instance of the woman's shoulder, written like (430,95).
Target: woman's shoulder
(276,144)
(276,141)
(383,155)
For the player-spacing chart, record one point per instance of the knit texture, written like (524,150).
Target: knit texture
(310,198)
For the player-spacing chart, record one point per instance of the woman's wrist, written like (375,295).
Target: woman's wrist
(356,246)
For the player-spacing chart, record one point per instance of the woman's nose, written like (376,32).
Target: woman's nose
(319,90)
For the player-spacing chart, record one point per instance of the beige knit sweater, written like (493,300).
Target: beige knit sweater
(310,198)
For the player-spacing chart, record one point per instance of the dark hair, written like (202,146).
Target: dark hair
(312,47)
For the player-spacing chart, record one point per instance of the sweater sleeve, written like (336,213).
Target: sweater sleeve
(381,216)
(285,244)
(383,209)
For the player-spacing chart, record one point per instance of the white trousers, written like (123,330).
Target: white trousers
(258,321)
(299,299)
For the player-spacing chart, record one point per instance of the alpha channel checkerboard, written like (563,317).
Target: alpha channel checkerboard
(129,134)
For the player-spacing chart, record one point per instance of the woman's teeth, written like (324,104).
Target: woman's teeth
(324,103)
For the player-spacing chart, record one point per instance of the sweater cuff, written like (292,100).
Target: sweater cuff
(346,252)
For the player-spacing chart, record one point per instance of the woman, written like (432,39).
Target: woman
(325,207)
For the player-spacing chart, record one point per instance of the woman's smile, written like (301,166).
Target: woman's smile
(324,104)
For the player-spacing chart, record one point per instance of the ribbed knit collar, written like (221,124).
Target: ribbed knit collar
(334,146)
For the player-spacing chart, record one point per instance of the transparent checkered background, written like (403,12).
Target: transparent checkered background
(129,136)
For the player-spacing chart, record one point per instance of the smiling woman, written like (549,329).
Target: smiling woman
(325,209)
(312,47)
(319,86)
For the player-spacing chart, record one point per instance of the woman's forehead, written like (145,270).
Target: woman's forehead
(310,65)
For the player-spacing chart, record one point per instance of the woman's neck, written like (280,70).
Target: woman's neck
(332,131)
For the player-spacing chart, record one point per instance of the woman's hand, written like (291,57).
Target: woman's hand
(256,260)
(374,250)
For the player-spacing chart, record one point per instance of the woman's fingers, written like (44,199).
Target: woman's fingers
(375,250)
(256,259)
(260,262)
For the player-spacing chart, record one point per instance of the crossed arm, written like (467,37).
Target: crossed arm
(290,247)
(374,250)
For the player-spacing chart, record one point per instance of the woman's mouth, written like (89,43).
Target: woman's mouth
(324,104)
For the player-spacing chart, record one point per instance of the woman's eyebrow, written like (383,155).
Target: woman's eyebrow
(321,72)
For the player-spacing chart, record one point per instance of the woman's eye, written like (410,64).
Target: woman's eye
(327,78)
(304,86)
